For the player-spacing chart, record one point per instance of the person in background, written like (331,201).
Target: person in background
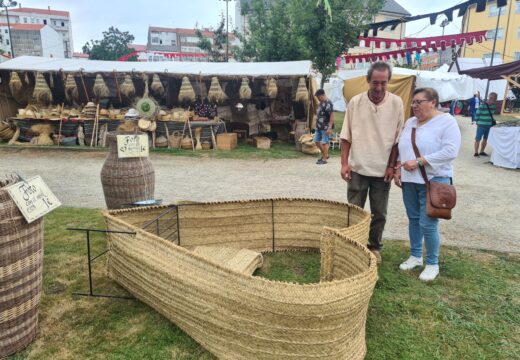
(371,128)
(484,119)
(438,140)
(474,104)
(324,124)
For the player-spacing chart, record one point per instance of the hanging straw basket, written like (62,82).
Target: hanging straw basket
(127,88)
(42,93)
(302,95)
(16,85)
(100,88)
(71,88)
(216,94)
(21,263)
(157,86)
(272,89)
(186,93)
(238,316)
(245,91)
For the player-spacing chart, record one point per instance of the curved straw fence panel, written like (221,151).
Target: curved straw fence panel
(237,316)
(21,263)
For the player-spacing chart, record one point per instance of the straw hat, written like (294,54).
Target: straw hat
(146,124)
(132,113)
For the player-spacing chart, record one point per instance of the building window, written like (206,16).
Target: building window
(493,10)
(25,20)
(160,42)
(7,32)
(32,20)
(488,55)
(518,33)
(62,24)
(174,42)
(490,34)
(517,7)
(517,55)
(155,40)
(7,41)
(45,21)
(54,22)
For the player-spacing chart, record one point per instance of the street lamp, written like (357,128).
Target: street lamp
(443,24)
(6,5)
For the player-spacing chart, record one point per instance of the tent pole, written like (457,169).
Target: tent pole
(493,51)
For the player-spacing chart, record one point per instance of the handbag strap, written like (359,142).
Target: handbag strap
(490,114)
(418,155)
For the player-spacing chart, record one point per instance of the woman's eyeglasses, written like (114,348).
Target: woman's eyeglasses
(419,102)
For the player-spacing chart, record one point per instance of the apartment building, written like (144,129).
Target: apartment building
(508,33)
(31,39)
(57,20)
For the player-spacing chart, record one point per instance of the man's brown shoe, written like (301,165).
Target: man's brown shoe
(377,254)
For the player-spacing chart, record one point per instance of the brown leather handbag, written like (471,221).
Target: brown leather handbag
(440,198)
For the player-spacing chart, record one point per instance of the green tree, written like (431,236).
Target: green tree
(215,50)
(317,30)
(113,45)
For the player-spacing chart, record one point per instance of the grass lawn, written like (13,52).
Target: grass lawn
(471,312)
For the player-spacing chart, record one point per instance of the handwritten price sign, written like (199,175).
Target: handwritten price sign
(33,198)
(129,146)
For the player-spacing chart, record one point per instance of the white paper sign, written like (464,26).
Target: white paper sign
(33,198)
(129,146)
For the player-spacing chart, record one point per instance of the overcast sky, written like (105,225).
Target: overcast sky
(91,17)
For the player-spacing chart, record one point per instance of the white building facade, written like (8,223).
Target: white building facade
(57,21)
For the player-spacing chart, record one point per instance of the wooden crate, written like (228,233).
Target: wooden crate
(227,141)
(262,142)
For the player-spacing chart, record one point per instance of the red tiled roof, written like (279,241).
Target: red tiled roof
(137,47)
(24,26)
(78,55)
(40,11)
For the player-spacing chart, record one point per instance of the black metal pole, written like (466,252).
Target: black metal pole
(227,30)
(89,265)
(493,51)
(9,29)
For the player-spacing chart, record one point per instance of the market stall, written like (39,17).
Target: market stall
(64,101)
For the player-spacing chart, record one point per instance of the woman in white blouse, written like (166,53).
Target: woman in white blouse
(438,140)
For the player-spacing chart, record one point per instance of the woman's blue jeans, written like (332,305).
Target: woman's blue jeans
(421,225)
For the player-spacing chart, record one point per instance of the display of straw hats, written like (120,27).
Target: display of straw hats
(146,124)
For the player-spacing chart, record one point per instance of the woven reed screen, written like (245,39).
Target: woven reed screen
(21,263)
(236,316)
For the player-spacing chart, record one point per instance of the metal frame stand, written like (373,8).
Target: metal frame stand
(91,259)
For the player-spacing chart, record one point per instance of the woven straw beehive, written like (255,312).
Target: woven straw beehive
(302,94)
(127,87)
(71,88)
(100,88)
(272,89)
(15,84)
(186,92)
(216,94)
(245,91)
(42,93)
(157,86)
(236,315)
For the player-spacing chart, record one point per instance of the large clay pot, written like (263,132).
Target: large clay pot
(21,263)
(127,180)
(299,130)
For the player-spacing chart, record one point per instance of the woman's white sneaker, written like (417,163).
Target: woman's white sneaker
(429,273)
(411,263)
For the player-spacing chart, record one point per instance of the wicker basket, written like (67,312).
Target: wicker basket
(238,316)
(127,180)
(21,262)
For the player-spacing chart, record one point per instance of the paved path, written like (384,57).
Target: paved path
(486,216)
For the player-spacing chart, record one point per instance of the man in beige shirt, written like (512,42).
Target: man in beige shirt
(369,136)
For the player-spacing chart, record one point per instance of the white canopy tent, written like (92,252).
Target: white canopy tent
(258,69)
(449,86)
(497,86)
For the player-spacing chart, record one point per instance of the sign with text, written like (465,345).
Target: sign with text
(33,198)
(133,145)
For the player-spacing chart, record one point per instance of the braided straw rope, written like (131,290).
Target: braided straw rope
(21,262)
(239,316)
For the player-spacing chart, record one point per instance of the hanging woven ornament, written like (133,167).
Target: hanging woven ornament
(15,85)
(216,94)
(100,89)
(27,77)
(157,86)
(301,92)
(186,93)
(42,93)
(245,91)
(71,89)
(272,89)
(127,87)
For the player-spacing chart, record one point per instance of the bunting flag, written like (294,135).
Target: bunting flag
(462,8)
(433,42)
(382,55)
